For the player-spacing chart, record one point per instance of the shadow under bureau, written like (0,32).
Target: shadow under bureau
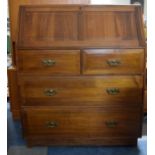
(80,72)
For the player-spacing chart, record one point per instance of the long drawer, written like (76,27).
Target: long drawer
(84,90)
(113,61)
(49,62)
(79,121)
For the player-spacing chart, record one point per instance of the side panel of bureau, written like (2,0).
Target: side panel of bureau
(14,92)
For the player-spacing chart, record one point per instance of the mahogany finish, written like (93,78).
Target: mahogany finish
(145,101)
(14,6)
(80,72)
(87,26)
(13,92)
(49,62)
(113,61)
(70,122)
(81,90)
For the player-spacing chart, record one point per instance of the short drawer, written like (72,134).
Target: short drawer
(92,122)
(49,62)
(113,61)
(81,90)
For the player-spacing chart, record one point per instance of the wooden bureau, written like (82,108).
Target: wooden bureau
(80,72)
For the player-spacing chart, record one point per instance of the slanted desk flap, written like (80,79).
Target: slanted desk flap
(80,26)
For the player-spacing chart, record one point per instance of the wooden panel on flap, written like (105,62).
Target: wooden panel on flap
(45,28)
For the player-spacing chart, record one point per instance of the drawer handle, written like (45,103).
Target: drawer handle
(48,62)
(111,123)
(50,92)
(113,62)
(52,124)
(113,91)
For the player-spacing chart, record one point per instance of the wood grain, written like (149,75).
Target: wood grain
(82,90)
(97,61)
(145,101)
(76,26)
(109,26)
(47,27)
(82,141)
(90,91)
(15,4)
(73,122)
(64,62)
(13,92)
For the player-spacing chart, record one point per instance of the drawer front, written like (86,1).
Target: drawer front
(113,61)
(49,62)
(82,90)
(73,122)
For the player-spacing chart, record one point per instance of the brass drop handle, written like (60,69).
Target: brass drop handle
(50,92)
(111,123)
(113,62)
(48,62)
(51,124)
(113,91)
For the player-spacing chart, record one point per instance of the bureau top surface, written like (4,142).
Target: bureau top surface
(80,26)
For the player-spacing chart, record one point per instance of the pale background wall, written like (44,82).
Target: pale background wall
(145,9)
(110,2)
